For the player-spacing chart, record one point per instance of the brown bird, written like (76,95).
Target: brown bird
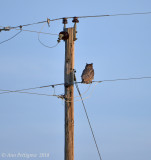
(88,74)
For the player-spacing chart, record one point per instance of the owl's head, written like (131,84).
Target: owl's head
(89,65)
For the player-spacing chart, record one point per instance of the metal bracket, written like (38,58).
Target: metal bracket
(5,29)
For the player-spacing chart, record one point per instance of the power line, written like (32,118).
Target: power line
(49,20)
(60,84)
(40,94)
(88,119)
(25,25)
(120,14)
(8,91)
(124,79)
(53,34)
(11,37)
(33,31)
(95,16)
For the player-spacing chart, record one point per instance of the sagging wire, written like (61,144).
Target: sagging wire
(48,22)
(12,37)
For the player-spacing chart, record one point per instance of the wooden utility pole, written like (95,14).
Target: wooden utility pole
(69,94)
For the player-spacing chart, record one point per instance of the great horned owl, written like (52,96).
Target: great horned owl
(88,74)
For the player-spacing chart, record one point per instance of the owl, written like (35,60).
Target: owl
(88,74)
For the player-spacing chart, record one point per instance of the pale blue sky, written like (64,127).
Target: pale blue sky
(119,47)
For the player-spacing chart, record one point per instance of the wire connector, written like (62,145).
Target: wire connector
(5,29)
(20,27)
(62,96)
(48,22)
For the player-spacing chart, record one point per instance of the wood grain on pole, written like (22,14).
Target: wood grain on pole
(69,95)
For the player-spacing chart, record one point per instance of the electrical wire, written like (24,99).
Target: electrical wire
(11,37)
(88,120)
(124,79)
(53,34)
(95,16)
(30,24)
(20,91)
(60,84)
(33,31)
(40,94)
(120,14)
(42,42)
(46,45)
(8,91)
